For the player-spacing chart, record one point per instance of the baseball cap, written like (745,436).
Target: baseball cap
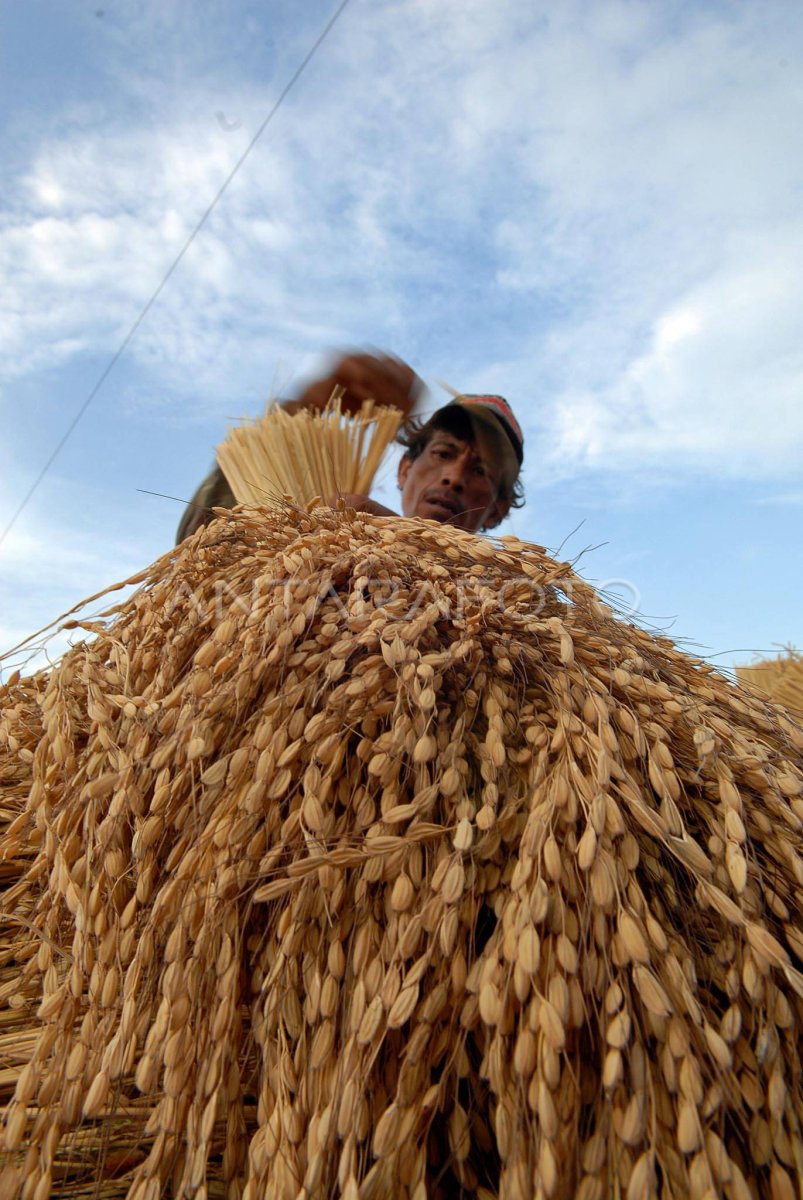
(495,408)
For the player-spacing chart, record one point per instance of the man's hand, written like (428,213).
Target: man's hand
(365,377)
(362,504)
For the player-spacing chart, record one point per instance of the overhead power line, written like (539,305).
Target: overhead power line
(171,269)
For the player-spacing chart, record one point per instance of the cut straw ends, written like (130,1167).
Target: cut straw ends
(307,454)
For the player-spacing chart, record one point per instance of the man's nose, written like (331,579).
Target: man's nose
(454,475)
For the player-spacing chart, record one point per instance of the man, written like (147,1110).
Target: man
(460,467)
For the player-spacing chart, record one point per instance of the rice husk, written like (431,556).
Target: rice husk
(363,857)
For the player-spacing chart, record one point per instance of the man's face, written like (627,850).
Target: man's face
(452,482)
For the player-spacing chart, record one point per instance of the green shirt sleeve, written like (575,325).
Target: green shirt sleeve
(214,492)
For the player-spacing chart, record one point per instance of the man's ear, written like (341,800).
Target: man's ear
(404,470)
(499,510)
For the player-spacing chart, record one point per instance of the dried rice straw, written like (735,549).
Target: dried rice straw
(309,454)
(781,678)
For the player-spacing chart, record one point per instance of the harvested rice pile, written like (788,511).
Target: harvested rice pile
(362,858)
(780,678)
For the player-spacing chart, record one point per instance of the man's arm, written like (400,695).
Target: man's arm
(214,492)
(381,378)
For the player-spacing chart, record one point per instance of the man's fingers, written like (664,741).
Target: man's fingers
(386,380)
(366,377)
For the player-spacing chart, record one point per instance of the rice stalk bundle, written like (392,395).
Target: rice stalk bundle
(307,454)
(780,678)
(360,857)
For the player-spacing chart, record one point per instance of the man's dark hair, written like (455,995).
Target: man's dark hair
(415,435)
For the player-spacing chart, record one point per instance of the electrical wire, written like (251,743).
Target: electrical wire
(172,268)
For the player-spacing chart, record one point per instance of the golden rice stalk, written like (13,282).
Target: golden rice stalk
(780,678)
(359,857)
(306,455)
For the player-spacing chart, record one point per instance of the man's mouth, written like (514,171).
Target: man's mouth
(446,504)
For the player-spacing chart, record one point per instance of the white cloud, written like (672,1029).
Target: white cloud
(783,499)
(595,205)
(718,384)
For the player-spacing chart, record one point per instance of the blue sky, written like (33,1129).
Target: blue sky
(593,208)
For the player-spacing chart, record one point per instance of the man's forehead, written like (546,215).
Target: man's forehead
(443,438)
